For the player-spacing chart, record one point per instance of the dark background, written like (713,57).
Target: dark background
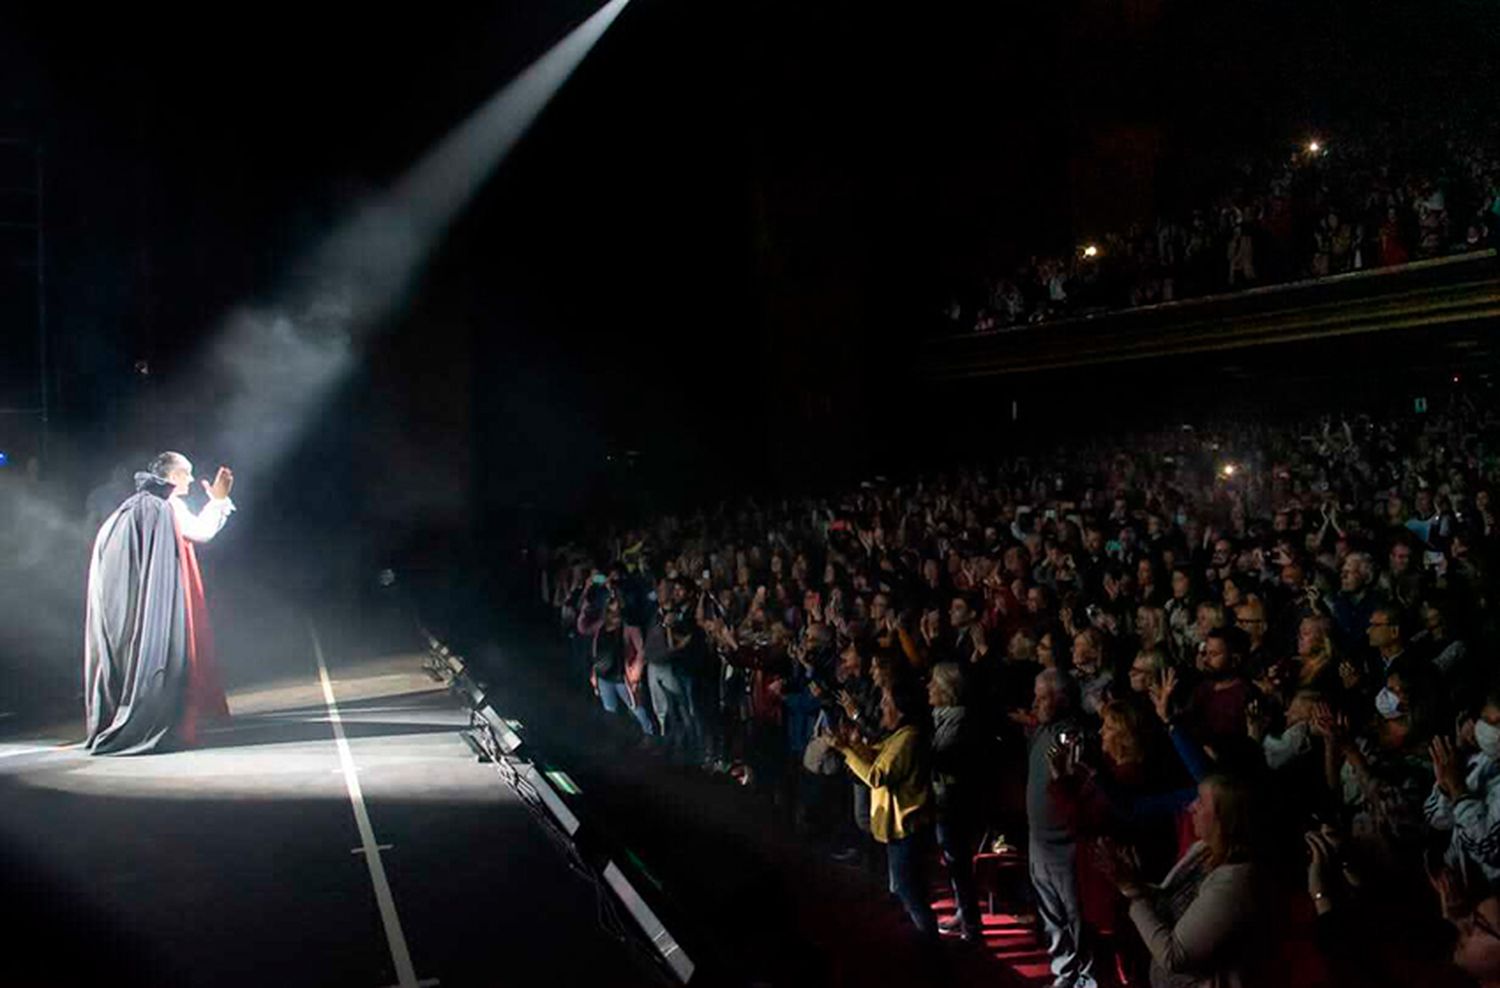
(706,267)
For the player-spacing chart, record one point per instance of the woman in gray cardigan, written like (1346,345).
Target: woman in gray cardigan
(1201,923)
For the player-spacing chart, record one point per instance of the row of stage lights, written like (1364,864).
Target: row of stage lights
(556,798)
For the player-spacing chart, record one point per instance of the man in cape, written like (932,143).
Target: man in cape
(149,675)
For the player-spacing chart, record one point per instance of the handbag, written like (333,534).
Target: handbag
(820,757)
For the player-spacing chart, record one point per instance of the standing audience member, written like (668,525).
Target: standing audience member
(898,772)
(1053,849)
(954,762)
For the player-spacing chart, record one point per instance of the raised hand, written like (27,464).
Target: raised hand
(1348,675)
(222,485)
(1321,722)
(1321,857)
(1161,695)
(1447,768)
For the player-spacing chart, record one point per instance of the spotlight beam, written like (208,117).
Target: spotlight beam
(269,371)
(278,363)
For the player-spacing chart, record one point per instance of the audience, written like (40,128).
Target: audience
(1063,643)
(1365,201)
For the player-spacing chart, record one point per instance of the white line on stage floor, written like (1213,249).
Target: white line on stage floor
(9,751)
(406,975)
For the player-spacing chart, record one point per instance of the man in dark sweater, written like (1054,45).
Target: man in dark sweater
(1054,843)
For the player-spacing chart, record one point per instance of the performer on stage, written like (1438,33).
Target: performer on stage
(148,667)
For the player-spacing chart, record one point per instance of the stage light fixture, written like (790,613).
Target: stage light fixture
(501,730)
(564,816)
(661,938)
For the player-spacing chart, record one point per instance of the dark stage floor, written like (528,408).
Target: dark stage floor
(241,863)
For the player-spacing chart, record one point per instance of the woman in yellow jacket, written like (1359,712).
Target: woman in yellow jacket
(899,775)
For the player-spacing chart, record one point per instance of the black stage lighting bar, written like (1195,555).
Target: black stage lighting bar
(551,793)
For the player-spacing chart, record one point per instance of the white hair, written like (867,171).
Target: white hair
(164,463)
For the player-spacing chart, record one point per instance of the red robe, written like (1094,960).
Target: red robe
(204,700)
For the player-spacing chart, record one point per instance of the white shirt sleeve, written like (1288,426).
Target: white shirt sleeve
(203,526)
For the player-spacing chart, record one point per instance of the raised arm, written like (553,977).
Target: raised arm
(203,526)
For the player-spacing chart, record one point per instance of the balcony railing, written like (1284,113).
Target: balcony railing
(1456,290)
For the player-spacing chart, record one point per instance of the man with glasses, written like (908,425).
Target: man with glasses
(1385,637)
(1250,617)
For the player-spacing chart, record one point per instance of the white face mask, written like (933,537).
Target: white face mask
(1388,703)
(1488,737)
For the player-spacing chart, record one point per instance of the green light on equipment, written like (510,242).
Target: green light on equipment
(560,779)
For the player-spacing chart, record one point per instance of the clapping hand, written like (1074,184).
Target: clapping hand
(844,735)
(1450,892)
(1256,720)
(1448,768)
(981,644)
(1120,864)
(1321,859)
(1061,761)
(1325,723)
(925,629)
(1465,735)
(847,702)
(1348,675)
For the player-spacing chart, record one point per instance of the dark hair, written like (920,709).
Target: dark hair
(910,702)
(1393,617)
(973,601)
(1423,686)
(1235,641)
